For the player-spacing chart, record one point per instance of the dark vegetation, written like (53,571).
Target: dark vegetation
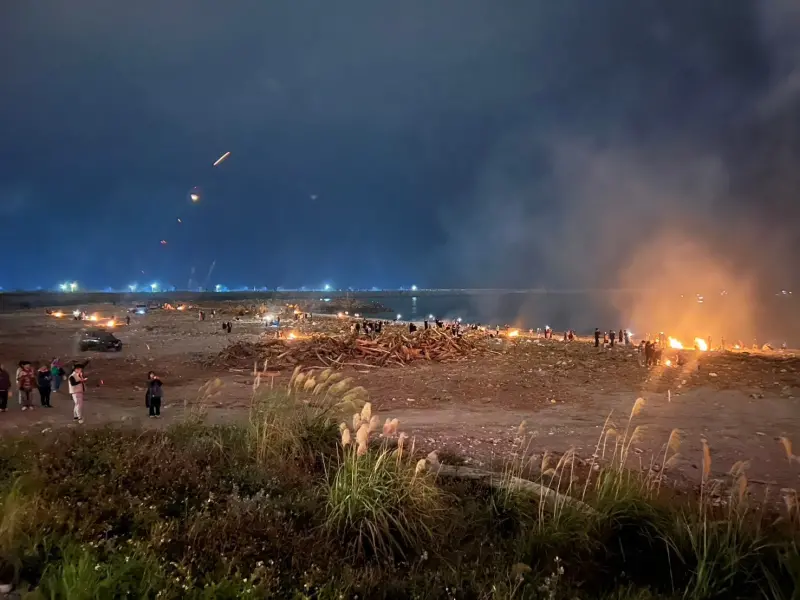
(299,505)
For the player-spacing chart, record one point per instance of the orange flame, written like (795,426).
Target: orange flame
(513,333)
(675,344)
(701,344)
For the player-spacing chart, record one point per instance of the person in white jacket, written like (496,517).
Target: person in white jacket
(77,387)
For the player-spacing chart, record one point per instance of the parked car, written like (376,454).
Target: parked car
(100,340)
(139,309)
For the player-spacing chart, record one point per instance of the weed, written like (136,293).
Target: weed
(380,503)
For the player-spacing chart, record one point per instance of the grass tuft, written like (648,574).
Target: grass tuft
(380,503)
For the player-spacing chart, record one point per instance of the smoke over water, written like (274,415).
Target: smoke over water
(678,197)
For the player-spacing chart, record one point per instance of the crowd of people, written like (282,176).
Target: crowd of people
(47,381)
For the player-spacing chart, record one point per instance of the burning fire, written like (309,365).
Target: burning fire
(182,307)
(699,343)
(668,363)
(93,317)
(111,323)
(513,333)
(58,314)
(292,336)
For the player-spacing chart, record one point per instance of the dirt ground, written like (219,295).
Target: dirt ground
(742,403)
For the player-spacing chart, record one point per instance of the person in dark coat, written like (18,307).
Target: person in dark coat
(596,337)
(649,353)
(153,395)
(44,381)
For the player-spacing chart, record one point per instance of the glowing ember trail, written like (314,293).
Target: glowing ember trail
(675,344)
(221,159)
(701,344)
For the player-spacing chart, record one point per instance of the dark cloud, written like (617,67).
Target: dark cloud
(457,142)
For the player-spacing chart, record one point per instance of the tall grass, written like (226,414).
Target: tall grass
(299,422)
(380,502)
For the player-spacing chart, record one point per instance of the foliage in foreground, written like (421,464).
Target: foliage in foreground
(299,505)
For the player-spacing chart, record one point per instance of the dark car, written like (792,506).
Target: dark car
(100,340)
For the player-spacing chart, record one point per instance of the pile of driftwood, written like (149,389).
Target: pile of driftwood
(390,348)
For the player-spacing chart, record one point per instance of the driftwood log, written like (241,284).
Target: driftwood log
(549,496)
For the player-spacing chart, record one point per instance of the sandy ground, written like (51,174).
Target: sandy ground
(742,404)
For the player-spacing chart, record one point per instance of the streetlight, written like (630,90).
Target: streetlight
(132,287)
(327,287)
(413,288)
(73,286)
(153,286)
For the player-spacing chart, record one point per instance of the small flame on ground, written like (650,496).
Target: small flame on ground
(701,344)
(58,314)
(668,363)
(292,336)
(673,343)
(111,323)
(513,333)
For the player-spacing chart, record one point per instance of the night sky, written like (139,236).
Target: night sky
(450,143)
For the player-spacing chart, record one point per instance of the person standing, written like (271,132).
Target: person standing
(58,374)
(44,381)
(26,381)
(20,369)
(5,386)
(154,393)
(77,388)
(596,337)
